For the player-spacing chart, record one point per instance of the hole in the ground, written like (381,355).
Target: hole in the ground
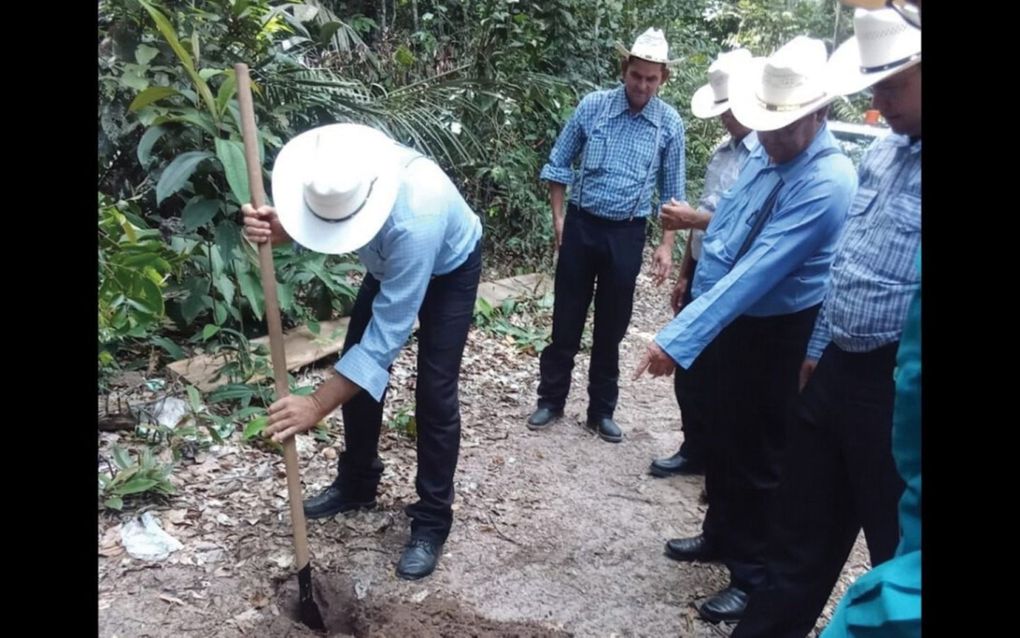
(334,594)
(433,617)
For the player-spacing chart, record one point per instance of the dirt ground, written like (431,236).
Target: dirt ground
(556,533)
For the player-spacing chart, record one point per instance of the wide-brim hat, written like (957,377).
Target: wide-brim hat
(334,186)
(651,46)
(883,44)
(769,93)
(713,99)
(909,10)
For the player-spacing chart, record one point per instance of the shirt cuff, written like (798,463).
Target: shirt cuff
(816,346)
(358,366)
(552,173)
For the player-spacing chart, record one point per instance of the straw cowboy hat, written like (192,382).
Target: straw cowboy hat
(910,11)
(769,93)
(334,186)
(650,45)
(883,44)
(714,98)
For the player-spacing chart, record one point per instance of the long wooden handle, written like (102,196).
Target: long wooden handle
(279,356)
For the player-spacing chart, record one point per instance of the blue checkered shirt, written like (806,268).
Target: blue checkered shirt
(620,165)
(874,274)
(430,231)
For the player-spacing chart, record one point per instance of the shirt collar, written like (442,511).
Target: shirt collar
(651,111)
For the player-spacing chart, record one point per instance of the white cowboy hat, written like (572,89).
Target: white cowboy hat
(883,44)
(909,10)
(769,93)
(714,98)
(334,186)
(650,45)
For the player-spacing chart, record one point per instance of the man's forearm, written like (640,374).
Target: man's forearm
(334,392)
(668,238)
(557,192)
(703,218)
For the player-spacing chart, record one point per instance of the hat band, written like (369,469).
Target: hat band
(650,57)
(343,219)
(886,67)
(783,108)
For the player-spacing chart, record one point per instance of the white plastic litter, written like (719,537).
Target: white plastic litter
(146,540)
(172,411)
(168,412)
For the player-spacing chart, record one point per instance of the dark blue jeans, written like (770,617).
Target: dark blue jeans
(444,319)
(599,258)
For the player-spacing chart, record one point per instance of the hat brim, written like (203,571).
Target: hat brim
(844,69)
(376,151)
(750,112)
(625,52)
(704,106)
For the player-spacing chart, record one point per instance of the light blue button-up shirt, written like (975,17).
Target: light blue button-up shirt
(430,231)
(787,266)
(873,275)
(625,156)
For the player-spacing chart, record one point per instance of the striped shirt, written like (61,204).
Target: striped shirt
(722,171)
(874,275)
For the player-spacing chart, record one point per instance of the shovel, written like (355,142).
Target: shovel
(308,609)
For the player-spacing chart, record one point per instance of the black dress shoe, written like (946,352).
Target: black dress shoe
(607,429)
(542,418)
(727,605)
(694,548)
(419,558)
(331,502)
(675,465)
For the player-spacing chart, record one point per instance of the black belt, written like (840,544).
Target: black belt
(590,216)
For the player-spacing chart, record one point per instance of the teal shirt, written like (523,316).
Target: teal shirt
(906,433)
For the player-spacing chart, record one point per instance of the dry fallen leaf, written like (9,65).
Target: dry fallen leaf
(110,545)
(259,600)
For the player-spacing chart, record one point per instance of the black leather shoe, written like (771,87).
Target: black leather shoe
(331,502)
(728,605)
(694,548)
(607,429)
(542,418)
(675,465)
(419,559)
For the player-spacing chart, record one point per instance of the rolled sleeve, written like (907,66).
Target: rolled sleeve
(557,174)
(569,143)
(359,366)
